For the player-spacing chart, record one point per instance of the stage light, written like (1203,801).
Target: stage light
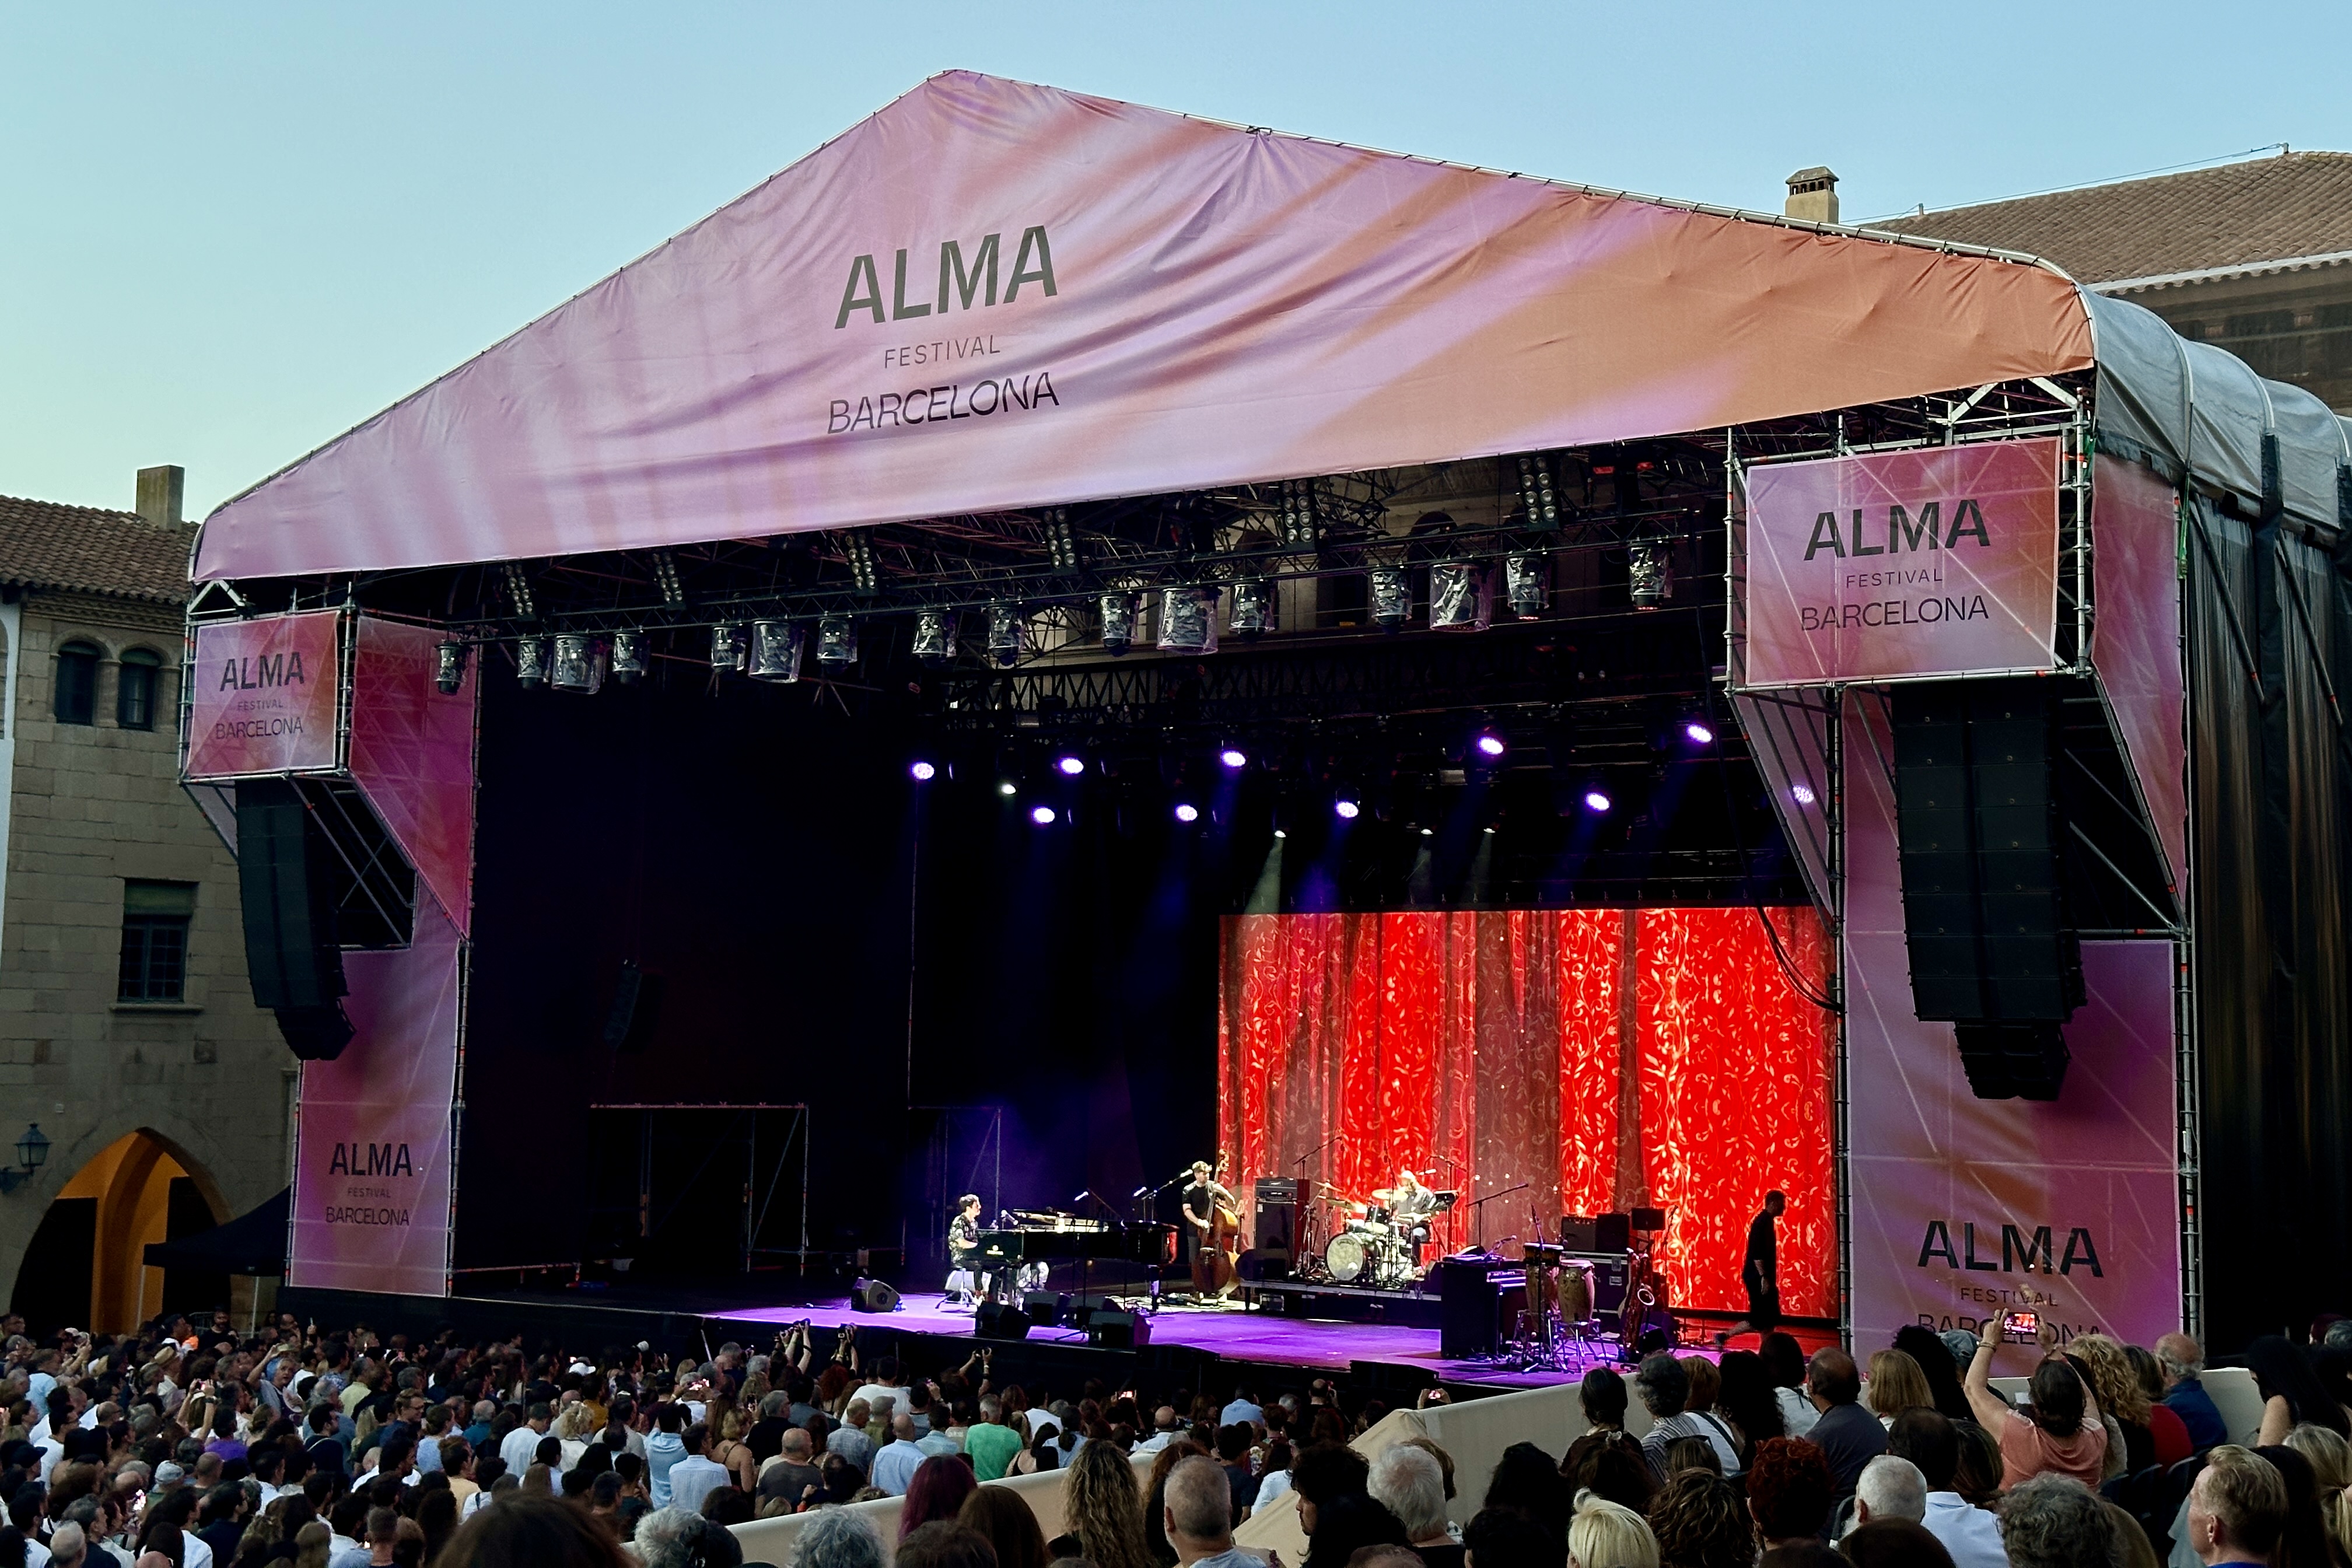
(1070,767)
(1279,833)
(1489,743)
(1301,524)
(449,668)
(1802,793)
(924,773)
(1061,542)
(628,657)
(1391,598)
(1428,832)
(579,664)
(776,649)
(1254,612)
(1537,499)
(1004,632)
(1118,611)
(836,641)
(518,591)
(1488,831)
(858,545)
(1597,800)
(530,660)
(1457,597)
(1526,584)
(1187,812)
(1233,757)
(726,646)
(1347,809)
(1007,788)
(935,637)
(666,577)
(1698,733)
(1043,816)
(1649,572)
(1188,620)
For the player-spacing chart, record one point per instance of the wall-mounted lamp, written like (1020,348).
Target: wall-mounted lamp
(32,1154)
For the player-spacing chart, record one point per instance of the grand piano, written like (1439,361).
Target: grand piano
(1050,1236)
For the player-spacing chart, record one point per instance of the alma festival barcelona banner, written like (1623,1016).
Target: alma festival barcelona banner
(261,695)
(1934,560)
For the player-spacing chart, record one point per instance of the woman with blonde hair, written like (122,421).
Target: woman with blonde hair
(730,1450)
(1896,1384)
(1605,1534)
(573,1427)
(2122,1400)
(311,1544)
(1103,1508)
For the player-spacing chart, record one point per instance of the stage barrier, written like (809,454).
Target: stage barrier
(771,1539)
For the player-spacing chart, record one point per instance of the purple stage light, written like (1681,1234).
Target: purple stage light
(1187,812)
(1233,757)
(1802,793)
(1043,816)
(1070,767)
(1596,800)
(1490,744)
(1700,735)
(924,771)
(1347,808)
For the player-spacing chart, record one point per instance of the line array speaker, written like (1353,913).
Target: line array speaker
(286,889)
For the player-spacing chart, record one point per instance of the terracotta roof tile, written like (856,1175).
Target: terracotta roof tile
(47,544)
(2267,209)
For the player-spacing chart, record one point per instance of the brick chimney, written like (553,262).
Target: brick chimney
(1812,195)
(160,491)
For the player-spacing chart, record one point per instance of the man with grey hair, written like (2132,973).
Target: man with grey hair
(2051,1521)
(1665,1388)
(68,1546)
(1198,1515)
(678,1537)
(834,1538)
(2182,1361)
(1890,1488)
(1408,1481)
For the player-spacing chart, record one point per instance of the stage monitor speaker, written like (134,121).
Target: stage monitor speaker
(1000,1321)
(1646,1220)
(2012,1061)
(286,889)
(1045,1306)
(1118,1330)
(873,1295)
(1274,1228)
(1613,1233)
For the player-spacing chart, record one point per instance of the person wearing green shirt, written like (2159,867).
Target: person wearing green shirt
(991,1444)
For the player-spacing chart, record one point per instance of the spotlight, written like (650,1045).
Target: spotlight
(1301,524)
(530,660)
(1347,809)
(518,591)
(1538,498)
(935,637)
(1004,632)
(1596,800)
(1043,816)
(1254,612)
(726,646)
(858,545)
(666,577)
(1802,793)
(579,663)
(1649,572)
(628,657)
(1524,583)
(1007,788)
(449,668)
(924,773)
(1233,757)
(1488,831)
(1391,597)
(1069,767)
(776,648)
(1118,622)
(1699,734)
(1187,812)
(836,641)
(1458,598)
(1489,743)
(1429,832)
(1279,833)
(1061,542)
(1188,620)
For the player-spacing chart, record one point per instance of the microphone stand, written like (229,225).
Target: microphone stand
(1479,1207)
(1452,1222)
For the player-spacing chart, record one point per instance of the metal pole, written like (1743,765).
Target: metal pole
(801,1118)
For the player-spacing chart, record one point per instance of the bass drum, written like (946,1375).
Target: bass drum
(1346,1258)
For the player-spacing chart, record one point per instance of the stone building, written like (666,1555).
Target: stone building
(128,1034)
(2253,257)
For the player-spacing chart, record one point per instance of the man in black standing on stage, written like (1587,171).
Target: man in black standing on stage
(1760,1270)
(1201,1201)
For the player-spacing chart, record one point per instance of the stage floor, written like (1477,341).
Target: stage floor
(1234,1335)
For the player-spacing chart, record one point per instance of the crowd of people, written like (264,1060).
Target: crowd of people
(181,1449)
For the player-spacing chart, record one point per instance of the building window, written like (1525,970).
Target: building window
(76,684)
(156,918)
(134,692)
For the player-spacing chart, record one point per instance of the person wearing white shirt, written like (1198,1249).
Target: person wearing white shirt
(1928,1440)
(694,1476)
(1241,1408)
(896,1464)
(521,1446)
(1164,1430)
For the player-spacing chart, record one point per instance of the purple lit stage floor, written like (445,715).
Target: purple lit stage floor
(1239,1336)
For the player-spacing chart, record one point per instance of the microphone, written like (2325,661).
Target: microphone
(1138,1192)
(1084,1196)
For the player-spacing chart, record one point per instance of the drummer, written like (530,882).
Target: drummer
(1410,1204)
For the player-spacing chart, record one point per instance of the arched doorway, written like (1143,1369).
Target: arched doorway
(84,1268)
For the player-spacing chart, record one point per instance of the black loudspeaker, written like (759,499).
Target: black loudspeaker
(1983,901)
(1646,1220)
(1275,1228)
(1613,1233)
(872,1296)
(1118,1330)
(1580,1233)
(1045,1306)
(1000,1321)
(286,886)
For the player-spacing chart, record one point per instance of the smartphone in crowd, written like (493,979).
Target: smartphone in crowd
(2021,1325)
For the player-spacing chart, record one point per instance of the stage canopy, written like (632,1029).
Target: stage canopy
(992,297)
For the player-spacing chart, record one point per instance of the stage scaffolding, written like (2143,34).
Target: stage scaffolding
(773,1140)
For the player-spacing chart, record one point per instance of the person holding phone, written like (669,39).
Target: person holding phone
(2060,1433)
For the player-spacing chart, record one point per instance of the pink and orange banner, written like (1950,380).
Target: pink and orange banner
(262,697)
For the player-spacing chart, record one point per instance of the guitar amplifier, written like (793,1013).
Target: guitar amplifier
(1274,1228)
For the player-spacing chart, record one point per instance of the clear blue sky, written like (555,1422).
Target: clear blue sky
(234,230)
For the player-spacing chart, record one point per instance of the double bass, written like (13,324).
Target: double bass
(1213,1253)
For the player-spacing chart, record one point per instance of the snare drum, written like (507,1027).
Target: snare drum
(1346,1258)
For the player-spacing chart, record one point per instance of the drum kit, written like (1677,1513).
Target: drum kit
(1370,1242)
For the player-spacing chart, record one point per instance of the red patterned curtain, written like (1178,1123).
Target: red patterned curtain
(1485,1050)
